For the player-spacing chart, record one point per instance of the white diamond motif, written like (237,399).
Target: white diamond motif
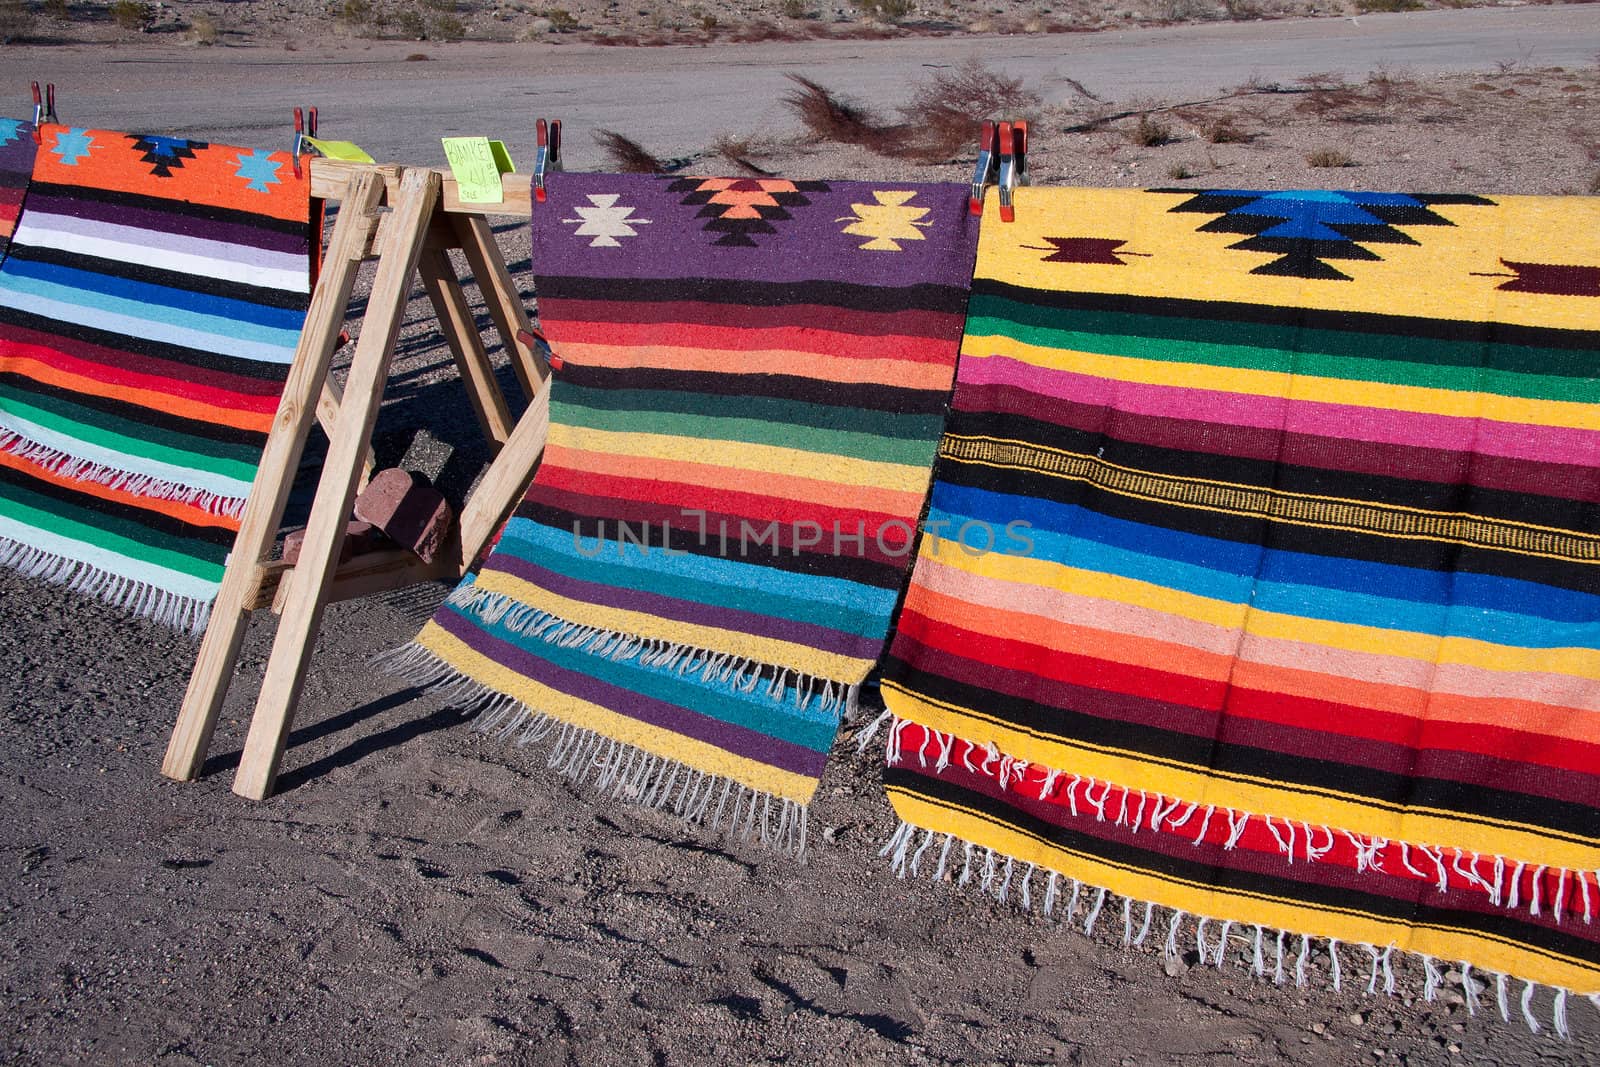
(605,221)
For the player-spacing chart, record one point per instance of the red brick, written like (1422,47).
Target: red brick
(414,516)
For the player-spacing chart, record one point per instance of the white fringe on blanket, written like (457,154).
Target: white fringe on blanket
(1261,948)
(1575,895)
(180,612)
(613,768)
(66,465)
(739,673)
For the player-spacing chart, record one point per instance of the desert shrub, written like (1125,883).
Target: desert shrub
(831,118)
(941,121)
(1371,7)
(356,11)
(132,14)
(58,9)
(561,20)
(204,30)
(1150,132)
(1225,131)
(797,9)
(1328,157)
(945,114)
(16,20)
(627,155)
(762,30)
(411,23)
(886,10)
(1181,171)
(737,151)
(448,28)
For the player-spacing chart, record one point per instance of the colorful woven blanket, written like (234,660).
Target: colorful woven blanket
(1295,629)
(149,310)
(16,163)
(753,383)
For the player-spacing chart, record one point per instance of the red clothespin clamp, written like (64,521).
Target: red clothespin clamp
(548,158)
(541,344)
(44,109)
(1013,166)
(304,125)
(984,171)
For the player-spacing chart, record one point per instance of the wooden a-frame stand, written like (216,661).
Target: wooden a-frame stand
(406,219)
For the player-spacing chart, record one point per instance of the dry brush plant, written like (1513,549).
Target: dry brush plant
(941,120)
(740,152)
(1328,157)
(1225,130)
(132,14)
(627,155)
(17,20)
(1150,132)
(945,114)
(830,117)
(204,30)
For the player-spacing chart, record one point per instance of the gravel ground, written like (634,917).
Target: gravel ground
(418,894)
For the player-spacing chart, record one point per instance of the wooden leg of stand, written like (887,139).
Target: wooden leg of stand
(461,334)
(330,511)
(500,296)
(219,649)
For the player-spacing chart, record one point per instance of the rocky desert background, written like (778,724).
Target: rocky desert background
(417,893)
(625,23)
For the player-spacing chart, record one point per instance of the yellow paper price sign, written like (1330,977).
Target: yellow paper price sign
(347,150)
(477,163)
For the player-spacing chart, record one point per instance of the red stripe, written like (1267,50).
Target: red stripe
(1496,757)
(1500,742)
(829,342)
(1070,668)
(904,323)
(200,394)
(181,375)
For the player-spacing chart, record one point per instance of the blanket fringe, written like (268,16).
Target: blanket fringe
(183,613)
(807,692)
(911,852)
(1568,894)
(65,465)
(614,768)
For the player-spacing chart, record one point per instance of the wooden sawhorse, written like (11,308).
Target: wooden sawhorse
(406,218)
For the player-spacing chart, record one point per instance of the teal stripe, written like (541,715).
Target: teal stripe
(755,710)
(602,570)
(748,579)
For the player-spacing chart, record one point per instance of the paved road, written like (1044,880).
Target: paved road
(676,100)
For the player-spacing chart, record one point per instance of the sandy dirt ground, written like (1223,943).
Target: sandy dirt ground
(420,894)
